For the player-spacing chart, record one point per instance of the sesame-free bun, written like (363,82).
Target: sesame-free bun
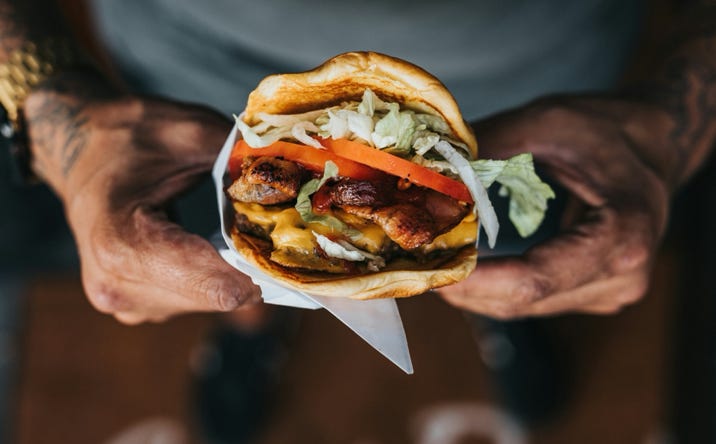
(401,278)
(345,77)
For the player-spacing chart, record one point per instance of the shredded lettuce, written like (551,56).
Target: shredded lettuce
(441,166)
(395,130)
(488,218)
(305,209)
(370,103)
(347,251)
(359,124)
(434,123)
(426,139)
(527,193)
(300,132)
(335,127)
(248,133)
(279,120)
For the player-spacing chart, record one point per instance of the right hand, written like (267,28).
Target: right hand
(608,153)
(117,162)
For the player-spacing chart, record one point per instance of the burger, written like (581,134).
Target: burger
(358,179)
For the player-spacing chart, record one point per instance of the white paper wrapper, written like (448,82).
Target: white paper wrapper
(377,321)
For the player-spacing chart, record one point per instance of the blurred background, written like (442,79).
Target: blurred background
(71,375)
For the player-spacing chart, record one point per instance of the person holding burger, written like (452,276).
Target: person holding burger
(117,159)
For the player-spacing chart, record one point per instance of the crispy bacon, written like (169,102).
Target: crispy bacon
(405,224)
(411,217)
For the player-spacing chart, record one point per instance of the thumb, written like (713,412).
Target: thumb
(150,268)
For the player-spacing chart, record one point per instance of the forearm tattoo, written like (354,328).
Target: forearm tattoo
(686,86)
(59,127)
(59,130)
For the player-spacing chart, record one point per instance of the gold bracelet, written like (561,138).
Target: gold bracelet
(30,65)
(24,70)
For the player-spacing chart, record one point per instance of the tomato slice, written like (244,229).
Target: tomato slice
(397,166)
(354,160)
(311,158)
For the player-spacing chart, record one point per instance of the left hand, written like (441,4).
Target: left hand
(117,162)
(608,154)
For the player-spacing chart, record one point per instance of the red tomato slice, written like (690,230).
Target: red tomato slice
(397,166)
(311,158)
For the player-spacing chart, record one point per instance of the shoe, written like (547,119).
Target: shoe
(531,377)
(237,375)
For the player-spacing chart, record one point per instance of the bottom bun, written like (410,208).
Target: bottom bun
(401,278)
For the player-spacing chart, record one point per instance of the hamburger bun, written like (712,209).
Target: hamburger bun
(341,79)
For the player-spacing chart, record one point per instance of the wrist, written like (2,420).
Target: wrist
(646,126)
(21,72)
(58,115)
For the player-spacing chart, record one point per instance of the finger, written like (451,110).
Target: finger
(196,133)
(154,268)
(134,300)
(605,296)
(563,263)
(189,266)
(130,318)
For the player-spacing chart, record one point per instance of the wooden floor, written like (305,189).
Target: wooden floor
(86,379)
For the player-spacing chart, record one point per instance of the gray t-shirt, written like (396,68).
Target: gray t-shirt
(491,54)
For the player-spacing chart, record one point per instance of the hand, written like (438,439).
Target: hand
(117,162)
(608,154)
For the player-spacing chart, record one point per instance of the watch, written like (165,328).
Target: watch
(24,70)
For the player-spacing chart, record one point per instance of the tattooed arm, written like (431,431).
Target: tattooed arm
(116,160)
(621,156)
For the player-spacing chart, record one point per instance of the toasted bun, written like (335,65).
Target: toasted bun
(345,77)
(401,278)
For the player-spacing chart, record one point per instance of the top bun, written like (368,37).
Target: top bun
(345,77)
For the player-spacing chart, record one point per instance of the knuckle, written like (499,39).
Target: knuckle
(110,255)
(631,258)
(105,297)
(552,109)
(101,280)
(530,290)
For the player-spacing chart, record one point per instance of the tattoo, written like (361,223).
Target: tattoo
(59,129)
(691,100)
(686,87)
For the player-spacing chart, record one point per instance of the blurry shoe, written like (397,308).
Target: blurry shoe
(531,376)
(237,375)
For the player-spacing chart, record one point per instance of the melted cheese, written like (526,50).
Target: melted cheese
(288,230)
(463,234)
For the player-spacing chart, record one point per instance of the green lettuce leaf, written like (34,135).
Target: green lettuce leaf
(305,209)
(527,193)
(395,129)
(370,103)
